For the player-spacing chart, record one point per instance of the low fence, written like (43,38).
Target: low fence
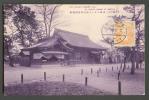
(86,79)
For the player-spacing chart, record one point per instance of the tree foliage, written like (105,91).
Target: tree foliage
(21,19)
(25,22)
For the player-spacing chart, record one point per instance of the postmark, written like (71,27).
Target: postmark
(120,33)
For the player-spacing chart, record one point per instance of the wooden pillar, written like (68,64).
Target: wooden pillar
(45,78)
(63,78)
(86,81)
(22,78)
(119,88)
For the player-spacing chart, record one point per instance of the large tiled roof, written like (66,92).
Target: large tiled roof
(48,42)
(73,39)
(77,40)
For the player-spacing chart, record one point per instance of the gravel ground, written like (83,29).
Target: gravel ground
(52,88)
(107,80)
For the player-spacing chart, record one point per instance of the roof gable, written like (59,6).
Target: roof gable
(77,40)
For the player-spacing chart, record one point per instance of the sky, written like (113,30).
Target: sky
(89,23)
(86,19)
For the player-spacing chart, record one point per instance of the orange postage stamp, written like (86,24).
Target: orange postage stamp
(124,34)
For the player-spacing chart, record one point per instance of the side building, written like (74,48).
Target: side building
(63,47)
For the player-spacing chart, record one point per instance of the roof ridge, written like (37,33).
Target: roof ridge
(74,33)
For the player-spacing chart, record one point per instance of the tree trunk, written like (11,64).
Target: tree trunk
(45,20)
(137,59)
(10,58)
(140,65)
(132,67)
(51,18)
(137,65)
(124,64)
(22,37)
(22,40)
(133,61)
(11,61)
(46,26)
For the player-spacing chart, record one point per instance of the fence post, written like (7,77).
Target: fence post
(118,77)
(121,65)
(99,69)
(22,78)
(112,68)
(44,76)
(81,71)
(86,81)
(91,70)
(97,73)
(119,88)
(117,67)
(63,78)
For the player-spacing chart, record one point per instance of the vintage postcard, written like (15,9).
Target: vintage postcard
(74,49)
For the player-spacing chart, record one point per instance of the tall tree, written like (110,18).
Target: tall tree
(25,22)
(8,14)
(20,21)
(49,15)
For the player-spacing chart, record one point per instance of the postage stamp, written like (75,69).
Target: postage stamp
(124,34)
